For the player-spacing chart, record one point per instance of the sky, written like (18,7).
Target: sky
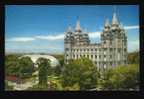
(41,28)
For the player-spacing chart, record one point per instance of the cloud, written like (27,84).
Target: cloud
(48,37)
(94,34)
(131,27)
(61,36)
(133,45)
(21,39)
(43,37)
(51,37)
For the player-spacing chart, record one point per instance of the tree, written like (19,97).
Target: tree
(26,67)
(12,68)
(81,72)
(71,74)
(19,67)
(11,65)
(121,78)
(89,75)
(43,67)
(58,69)
(60,58)
(133,58)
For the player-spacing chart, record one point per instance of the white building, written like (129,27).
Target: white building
(110,52)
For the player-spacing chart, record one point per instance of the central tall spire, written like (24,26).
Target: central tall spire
(114,19)
(78,25)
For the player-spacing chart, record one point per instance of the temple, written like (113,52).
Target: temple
(110,52)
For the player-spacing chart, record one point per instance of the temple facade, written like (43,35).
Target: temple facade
(110,52)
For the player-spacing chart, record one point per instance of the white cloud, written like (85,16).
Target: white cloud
(48,37)
(44,37)
(21,39)
(51,37)
(131,27)
(94,34)
(133,45)
(61,36)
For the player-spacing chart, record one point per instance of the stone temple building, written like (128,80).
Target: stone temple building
(110,52)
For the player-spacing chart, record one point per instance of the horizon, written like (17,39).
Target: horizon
(40,29)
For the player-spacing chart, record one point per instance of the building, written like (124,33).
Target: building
(110,52)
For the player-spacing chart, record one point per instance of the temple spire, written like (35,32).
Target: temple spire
(78,25)
(114,19)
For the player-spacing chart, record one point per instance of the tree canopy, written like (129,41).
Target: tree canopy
(133,58)
(80,72)
(26,67)
(43,68)
(121,78)
(19,67)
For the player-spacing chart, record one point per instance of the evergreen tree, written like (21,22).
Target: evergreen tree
(43,67)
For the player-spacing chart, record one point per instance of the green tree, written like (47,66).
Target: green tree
(18,67)
(26,67)
(58,69)
(43,67)
(121,78)
(81,72)
(133,58)
(60,58)
(11,65)
(12,68)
